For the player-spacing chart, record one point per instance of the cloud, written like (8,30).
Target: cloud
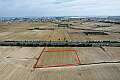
(59,7)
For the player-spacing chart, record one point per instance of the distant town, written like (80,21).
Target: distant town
(106,19)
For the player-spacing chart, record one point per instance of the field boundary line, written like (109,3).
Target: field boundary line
(39,57)
(78,59)
(61,65)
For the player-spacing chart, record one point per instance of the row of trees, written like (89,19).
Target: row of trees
(60,43)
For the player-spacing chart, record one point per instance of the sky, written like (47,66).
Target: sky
(59,8)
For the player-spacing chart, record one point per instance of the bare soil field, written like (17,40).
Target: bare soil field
(17,63)
(79,35)
(27,35)
(19,31)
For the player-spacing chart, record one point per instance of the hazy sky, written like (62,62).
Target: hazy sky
(59,7)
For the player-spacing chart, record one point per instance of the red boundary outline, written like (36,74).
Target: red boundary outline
(60,51)
(77,56)
(60,65)
(39,58)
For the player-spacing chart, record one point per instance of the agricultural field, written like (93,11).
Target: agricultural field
(57,57)
(59,63)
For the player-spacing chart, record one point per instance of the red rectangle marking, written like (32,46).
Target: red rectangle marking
(60,51)
(59,65)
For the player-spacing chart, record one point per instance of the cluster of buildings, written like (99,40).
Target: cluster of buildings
(63,18)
